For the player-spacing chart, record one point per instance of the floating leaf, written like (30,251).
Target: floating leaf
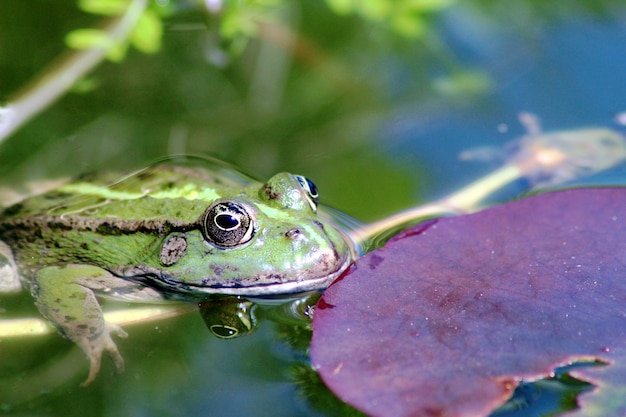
(448,318)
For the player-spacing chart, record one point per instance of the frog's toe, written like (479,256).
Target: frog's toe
(94,349)
(114,328)
(94,368)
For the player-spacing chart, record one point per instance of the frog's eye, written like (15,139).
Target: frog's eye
(227,224)
(311,191)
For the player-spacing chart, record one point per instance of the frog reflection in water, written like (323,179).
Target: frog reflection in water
(230,317)
(166,232)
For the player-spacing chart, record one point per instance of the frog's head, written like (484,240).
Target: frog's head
(266,240)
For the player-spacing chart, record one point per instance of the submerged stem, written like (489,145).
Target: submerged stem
(34,326)
(465,200)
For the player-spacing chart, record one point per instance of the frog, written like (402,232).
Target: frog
(166,232)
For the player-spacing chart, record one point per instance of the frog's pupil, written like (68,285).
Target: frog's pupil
(226,221)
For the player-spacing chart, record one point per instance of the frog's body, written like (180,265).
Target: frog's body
(167,231)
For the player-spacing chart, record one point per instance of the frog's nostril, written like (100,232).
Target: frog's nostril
(292,233)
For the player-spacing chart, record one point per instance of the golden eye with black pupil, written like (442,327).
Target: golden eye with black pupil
(227,223)
(311,190)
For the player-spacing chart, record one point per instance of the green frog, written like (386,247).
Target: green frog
(166,232)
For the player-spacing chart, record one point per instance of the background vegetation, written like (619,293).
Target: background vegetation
(373,99)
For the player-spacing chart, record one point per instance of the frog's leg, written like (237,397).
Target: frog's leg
(9,276)
(64,295)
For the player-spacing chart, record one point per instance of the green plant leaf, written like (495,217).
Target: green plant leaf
(86,85)
(341,7)
(374,9)
(410,25)
(466,82)
(425,6)
(117,52)
(104,7)
(88,38)
(147,35)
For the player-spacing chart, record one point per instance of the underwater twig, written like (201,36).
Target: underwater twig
(63,73)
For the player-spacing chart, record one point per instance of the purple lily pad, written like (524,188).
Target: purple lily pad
(450,316)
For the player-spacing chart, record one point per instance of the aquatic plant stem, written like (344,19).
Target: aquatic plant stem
(545,159)
(63,73)
(465,200)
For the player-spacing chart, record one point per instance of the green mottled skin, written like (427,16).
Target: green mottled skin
(89,237)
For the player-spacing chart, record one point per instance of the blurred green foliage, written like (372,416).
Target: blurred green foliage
(145,36)
(404,17)
(280,97)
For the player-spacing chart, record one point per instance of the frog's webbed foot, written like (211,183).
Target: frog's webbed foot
(65,297)
(94,348)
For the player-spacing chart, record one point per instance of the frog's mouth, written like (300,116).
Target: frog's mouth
(263,285)
(269,285)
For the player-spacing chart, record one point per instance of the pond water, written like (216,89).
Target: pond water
(376,118)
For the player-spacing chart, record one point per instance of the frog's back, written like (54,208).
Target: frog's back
(161,191)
